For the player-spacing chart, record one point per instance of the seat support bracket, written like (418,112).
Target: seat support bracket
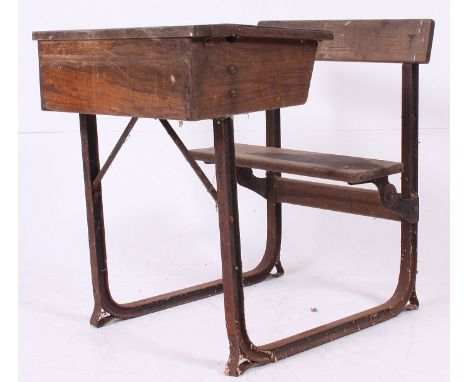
(407,208)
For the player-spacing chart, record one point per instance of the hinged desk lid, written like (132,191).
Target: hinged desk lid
(187,31)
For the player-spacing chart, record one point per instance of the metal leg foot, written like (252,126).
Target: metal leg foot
(100,317)
(413,303)
(279,270)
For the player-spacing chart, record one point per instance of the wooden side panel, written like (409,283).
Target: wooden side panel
(132,77)
(249,75)
(402,41)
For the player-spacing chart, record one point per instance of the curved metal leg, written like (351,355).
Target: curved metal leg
(271,258)
(405,291)
(105,307)
(243,353)
(241,348)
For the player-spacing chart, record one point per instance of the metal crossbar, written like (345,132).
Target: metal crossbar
(178,142)
(186,153)
(114,152)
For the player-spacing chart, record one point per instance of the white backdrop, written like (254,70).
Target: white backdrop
(162,225)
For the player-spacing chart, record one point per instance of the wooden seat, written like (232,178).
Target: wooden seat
(328,166)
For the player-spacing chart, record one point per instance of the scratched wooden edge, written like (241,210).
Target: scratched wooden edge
(431,38)
(186,31)
(427,57)
(249,160)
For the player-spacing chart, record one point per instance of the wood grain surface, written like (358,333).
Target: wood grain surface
(402,41)
(246,76)
(174,78)
(186,31)
(132,77)
(328,166)
(332,197)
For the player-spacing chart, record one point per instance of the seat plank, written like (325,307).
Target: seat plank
(327,166)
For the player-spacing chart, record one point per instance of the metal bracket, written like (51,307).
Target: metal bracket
(247,179)
(407,208)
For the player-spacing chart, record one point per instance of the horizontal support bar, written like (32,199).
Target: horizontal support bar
(308,339)
(352,200)
(186,295)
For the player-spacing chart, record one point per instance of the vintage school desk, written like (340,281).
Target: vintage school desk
(213,72)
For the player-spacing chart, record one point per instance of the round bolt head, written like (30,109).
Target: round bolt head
(389,195)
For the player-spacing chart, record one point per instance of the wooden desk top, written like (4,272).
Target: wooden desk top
(187,31)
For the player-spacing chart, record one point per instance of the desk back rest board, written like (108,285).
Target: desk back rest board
(391,41)
(181,73)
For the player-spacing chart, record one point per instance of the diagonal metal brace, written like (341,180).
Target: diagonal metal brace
(114,152)
(407,208)
(183,149)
